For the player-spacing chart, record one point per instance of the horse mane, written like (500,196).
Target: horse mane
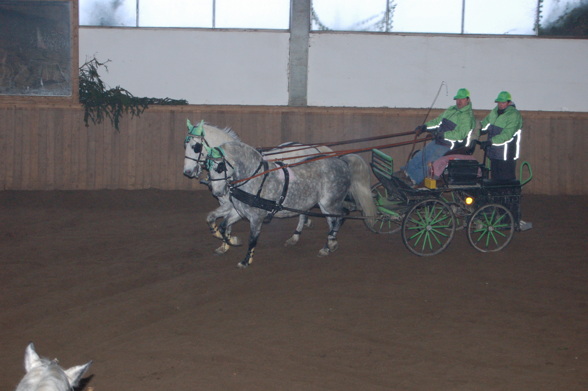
(232,133)
(227,130)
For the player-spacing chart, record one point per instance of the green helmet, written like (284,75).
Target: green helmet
(462,93)
(504,96)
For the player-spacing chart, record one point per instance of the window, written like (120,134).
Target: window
(427,16)
(504,17)
(176,13)
(37,48)
(255,14)
(108,13)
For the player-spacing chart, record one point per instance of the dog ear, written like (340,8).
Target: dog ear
(74,374)
(32,359)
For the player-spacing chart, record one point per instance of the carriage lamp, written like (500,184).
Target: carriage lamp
(469,200)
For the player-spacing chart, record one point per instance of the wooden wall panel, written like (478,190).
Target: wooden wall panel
(48,147)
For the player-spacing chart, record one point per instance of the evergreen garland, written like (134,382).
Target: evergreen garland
(100,103)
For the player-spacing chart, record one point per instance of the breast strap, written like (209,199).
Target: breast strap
(256,200)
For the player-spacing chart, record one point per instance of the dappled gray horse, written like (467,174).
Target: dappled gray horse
(194,157)
(258,188)
(205,135)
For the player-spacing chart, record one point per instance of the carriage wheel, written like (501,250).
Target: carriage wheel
(388,220)
(428,227)
(491,228)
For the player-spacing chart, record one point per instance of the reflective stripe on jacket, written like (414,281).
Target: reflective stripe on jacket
(505,131)
(454,127)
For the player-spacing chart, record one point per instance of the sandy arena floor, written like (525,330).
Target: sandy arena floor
(128,279)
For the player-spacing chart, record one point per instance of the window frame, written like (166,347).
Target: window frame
(73,98)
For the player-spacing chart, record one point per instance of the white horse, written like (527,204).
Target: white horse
(46,375)
(259,189)
(204,135)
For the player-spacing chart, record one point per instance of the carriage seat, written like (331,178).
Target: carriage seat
(465,169)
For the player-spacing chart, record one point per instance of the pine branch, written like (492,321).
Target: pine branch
(100,102)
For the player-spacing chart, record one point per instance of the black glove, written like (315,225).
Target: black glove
(470,150)
(485,144)
(420,129)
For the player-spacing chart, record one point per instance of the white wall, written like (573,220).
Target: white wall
(407,71)
(202,66)
(345,69)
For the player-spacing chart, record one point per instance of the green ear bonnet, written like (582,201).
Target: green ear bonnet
(213,154)
(194,131)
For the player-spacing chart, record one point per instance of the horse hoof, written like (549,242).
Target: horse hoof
(235,241)
(222,249)
(323,252)
(242,265)
(291,242)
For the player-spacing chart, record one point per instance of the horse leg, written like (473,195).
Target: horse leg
(255,230)
(233,217)
(224,230)
(331,245)
(303,221)
(225,210)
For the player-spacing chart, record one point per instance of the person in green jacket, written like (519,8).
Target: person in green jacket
(451,130)
(503,125)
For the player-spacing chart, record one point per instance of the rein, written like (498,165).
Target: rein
(331,144)
(326,155)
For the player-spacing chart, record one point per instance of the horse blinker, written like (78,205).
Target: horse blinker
(221,167)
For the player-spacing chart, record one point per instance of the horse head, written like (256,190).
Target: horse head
(42,371)
(194,153)
(220,170)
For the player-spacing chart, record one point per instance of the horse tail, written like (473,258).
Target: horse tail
(360,187)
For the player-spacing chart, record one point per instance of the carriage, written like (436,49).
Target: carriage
(463,197)
(254,184)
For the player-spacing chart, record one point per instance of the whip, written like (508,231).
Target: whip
(427,116)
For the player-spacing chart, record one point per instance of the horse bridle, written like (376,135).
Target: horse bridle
(197,148)
(221,166)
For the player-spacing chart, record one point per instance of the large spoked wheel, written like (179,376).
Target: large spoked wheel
(428,227)
(388,220)
(491,228)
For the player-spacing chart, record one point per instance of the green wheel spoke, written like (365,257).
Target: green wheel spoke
(428,227)
(490,228)
(388,216)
